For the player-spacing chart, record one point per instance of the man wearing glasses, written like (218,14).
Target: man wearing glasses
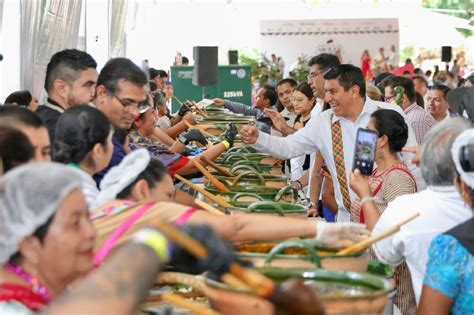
(318,66)
(121,96)
(421,121)
(71,77)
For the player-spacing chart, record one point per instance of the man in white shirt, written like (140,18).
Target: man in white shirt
(345,92)
(284,90)
(380,62)
(440,206)
(318,65)
(392,60)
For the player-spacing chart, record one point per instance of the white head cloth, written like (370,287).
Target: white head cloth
(122,175)
(29,196)
(466,137)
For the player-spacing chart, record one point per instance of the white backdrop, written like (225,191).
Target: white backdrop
(291,39)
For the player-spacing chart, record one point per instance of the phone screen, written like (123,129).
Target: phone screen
(364,153)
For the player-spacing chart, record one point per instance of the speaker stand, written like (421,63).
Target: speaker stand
(205,94)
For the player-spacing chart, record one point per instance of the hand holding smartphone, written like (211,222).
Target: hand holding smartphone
(364,151)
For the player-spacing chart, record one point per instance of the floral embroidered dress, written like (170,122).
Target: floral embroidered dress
(17,299)
(450,268)
(386,186)
(174,161)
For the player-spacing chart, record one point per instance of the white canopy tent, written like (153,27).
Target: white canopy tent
(155,29)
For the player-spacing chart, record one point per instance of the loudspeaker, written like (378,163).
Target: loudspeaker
(233,57)
(446,53)
(205,65)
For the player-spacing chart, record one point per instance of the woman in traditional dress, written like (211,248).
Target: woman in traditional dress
(142,137)
(389,180)
(143,179)
(47,242)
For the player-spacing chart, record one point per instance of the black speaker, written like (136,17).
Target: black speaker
(205,65)
(446,52)
(233,57)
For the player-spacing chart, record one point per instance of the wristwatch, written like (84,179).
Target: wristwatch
(312,205)
(183,139)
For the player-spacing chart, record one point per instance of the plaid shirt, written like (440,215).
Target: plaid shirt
(421,121)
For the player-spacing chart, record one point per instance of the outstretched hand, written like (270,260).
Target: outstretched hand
(279,122)
(416,151)
(194,135)
(218,102)
(340,234)
(249,134)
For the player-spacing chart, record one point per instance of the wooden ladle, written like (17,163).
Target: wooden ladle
(221,202)
(293,297)
(373,239)
(218,168)
(220,186)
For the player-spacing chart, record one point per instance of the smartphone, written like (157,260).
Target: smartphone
(364,152)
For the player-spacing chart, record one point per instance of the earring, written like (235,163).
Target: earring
(380,155)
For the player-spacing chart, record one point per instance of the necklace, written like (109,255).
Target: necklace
(33,281)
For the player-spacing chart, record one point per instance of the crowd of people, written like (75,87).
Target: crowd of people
(107,137)
(393,109)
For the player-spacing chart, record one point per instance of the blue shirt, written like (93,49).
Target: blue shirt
(450,270)
(117,157)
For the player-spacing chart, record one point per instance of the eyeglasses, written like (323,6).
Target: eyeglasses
(313,75)
(131,105)
(389,98)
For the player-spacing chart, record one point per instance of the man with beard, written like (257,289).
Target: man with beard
(71,77)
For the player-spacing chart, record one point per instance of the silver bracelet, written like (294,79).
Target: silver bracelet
(365,199)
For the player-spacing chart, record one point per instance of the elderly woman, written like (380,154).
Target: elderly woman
(43,217)
(47,241)
(140,178)
(448,286)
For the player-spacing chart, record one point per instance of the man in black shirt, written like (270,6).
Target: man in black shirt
(71,77)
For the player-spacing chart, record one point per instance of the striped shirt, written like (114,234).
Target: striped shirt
(421,121)
(391,183)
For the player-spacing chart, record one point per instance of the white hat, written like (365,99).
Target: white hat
(465,138)
(122,175)
(29,196)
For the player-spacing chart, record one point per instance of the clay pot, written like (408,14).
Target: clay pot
(339,291)
(302,254)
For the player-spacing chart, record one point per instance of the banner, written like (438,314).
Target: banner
(346,37)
